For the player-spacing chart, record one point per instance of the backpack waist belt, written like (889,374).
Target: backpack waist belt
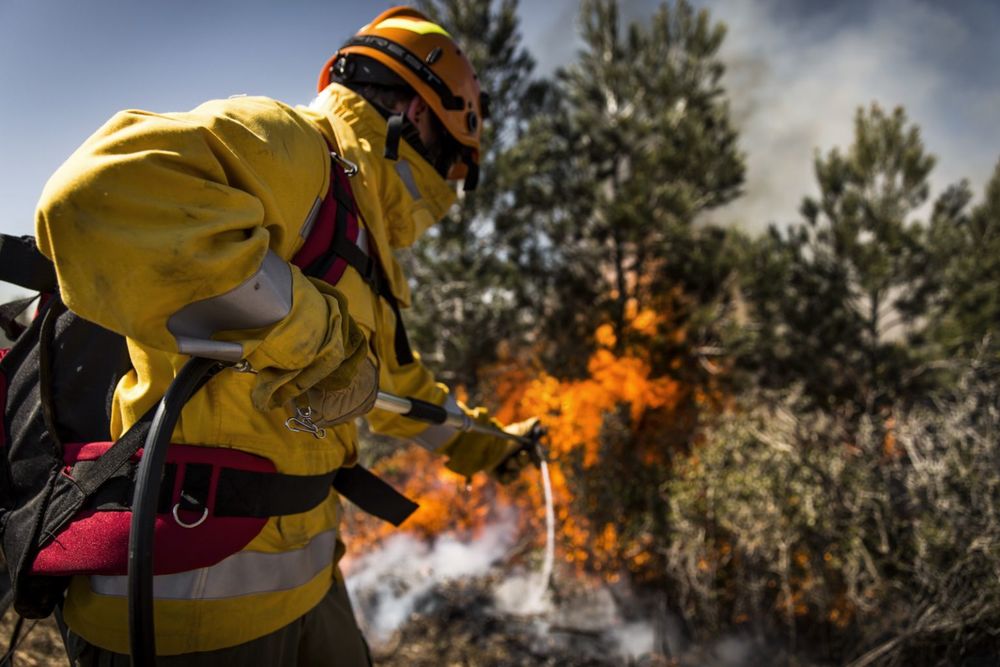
(234,492)
(213,502)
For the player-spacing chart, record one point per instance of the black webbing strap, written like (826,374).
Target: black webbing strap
(90,479)
(365,265)
(404,354)
(254,494)
(393,133)
(373,494)
(259,494)
(248,493)
(342,247)
(46,340)
(471,174)
(195,487)
(370,269)
(23,264)
(93,476)
(9,312)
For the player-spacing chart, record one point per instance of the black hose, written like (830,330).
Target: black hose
(142,639)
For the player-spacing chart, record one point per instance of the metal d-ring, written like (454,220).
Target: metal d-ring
(182,524)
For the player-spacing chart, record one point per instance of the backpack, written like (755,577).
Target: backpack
(66,489)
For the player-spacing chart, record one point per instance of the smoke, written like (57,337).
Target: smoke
(386,584)
(597,622)
(797,72)
(636,639)
(795,80)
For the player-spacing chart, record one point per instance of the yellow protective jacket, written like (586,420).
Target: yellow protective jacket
(159,211)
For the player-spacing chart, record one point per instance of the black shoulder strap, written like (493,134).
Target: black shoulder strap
(9,313)
(23,264)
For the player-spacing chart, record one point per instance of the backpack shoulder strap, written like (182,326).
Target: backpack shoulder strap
(22,263)
(9,312)
(346,245)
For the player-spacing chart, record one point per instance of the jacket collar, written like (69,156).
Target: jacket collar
(411,195)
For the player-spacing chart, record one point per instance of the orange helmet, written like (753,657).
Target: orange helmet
(426,58)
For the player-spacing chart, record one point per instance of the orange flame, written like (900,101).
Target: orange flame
(574,413)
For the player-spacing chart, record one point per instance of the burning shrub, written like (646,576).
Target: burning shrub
(611,437)
(884,549)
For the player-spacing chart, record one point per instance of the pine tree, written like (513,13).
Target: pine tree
(467,286)
(640,145)
(843,298)
(965,248)
(636,145)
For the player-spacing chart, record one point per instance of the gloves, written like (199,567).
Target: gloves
(472,452)
(520,456)
(337,369)
(354,400)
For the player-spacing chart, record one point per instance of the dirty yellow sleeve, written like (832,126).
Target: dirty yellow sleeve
(158,211)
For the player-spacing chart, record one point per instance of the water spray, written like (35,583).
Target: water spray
(550,539)
(414,408)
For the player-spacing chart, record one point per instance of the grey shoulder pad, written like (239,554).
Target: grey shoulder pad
(261,300)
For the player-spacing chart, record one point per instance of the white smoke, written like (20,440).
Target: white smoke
(636,639)
(386,584)
(797,72)
(519,594)
(796,84)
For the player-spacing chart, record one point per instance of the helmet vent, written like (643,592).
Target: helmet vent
(434,55)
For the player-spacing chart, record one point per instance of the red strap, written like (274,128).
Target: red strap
(317,255)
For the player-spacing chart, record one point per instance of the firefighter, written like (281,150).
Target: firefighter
(190,233)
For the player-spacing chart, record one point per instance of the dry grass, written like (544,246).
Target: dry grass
(876,544)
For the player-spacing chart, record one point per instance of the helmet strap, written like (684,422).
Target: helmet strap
(471,175)
(393,133)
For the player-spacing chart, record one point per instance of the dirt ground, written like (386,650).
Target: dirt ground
(40,646)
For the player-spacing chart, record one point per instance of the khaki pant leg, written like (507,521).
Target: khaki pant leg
(330,634)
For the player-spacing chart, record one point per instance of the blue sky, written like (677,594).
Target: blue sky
(797,71)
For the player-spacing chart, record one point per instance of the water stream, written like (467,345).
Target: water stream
(542,584)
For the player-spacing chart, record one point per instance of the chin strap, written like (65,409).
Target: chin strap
(471,175)
(393,133)
(398,127)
